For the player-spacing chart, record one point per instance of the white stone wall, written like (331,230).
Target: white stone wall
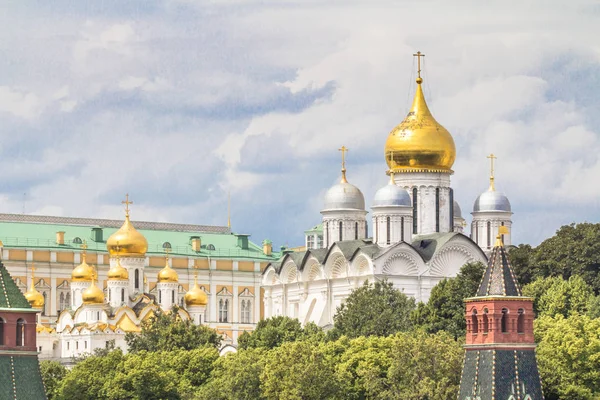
(349,219)
(166,291)
(496,219)
(398,216)
(114,289)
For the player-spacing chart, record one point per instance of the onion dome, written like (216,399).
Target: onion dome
(117,272)
(35,298)
(167,274)
(344,195)
(195,296)
(420,143)
(392,195)
(491,200)
(127,241)
(93,294)
(83,272)
(457,211)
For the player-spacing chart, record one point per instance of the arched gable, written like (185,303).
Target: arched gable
(313,270)
(455,253)
(400,259)
(289,272)
(361,265)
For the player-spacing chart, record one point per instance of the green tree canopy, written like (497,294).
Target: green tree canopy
(445,310)
(274,331)
(555,295)
(520,262)
(167,331)
(374,309)
(53,373)
(568,356)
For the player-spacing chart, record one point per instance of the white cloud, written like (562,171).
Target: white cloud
(21,104)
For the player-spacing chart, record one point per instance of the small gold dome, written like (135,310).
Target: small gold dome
(420,143)
(168,274)
(195,296)
(83,272)
(117,272)
(93,295)
(35,298)
(127,241)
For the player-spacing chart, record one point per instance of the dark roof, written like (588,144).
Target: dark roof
(10,294)
(499,278)
(20,377)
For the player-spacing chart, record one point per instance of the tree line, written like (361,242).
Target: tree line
(383,344)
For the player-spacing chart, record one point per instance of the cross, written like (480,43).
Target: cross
(127,203)
(167,251)
(492,157)
(418,54)
(32,270)
(343,149)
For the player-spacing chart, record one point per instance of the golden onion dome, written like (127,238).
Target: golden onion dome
(167,274)
(127,241)
(420,143)
(35,298)
(117,272)
(195,296)
(83,272)
(93,294)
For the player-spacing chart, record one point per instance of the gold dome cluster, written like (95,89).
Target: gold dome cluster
(35,298)
(117,272)
(420,143)
(195,296)
(127,241)
(167,274)
(83,272)
(93,294)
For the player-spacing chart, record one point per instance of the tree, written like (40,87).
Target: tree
(236,376)
(167,331)
(555,295)
(374,309)
(567,354)
(574,250)
(53,373)
(274,331)
(445,310)
(520,262)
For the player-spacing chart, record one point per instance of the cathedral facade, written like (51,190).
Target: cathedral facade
(417,238)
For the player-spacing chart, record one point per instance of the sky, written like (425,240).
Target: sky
(179,103)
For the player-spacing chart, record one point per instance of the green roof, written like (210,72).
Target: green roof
(42,235)
(10,294)
(25,370)
(315,229)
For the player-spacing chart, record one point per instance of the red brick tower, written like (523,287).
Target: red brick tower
(500,358)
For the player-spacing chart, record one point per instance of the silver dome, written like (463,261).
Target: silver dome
(344,196)
(457,211)
(391,195)
(492,201)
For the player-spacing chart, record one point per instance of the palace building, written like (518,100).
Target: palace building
(95,280)
(417,227)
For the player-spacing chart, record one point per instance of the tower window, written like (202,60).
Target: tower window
(366,229)
(356,231)
(486,324)
(474,323)
(172,296)
(122,295)
(504,321)
(376,233)
(340,231)
(387,231)
(327,234)
(414,199)
(20,332)
(521,321)
(77,240)
(1,332)
(437,209)
(210,247)
(166,245)
(137,279)
(476,233)
(502,238)
(402,229)
(489,234)
(451,193)
(160,296)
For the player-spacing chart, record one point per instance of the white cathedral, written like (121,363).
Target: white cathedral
(417,225)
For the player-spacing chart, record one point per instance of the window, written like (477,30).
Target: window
(77,345)
(85,344)
(223,310)
(451,203)
(502,237)
(210,247)
(489,234)
(160,296)
(402,229)
(476,233)
(437,209)
(486,325)
(137,279)
(20,332)
(45,303)
(521,321)
(376,229)
(98,315)
(1,332)
(504,321)
(122,295)
(166,245)
(327,233)
(245,311)
(77,240)
(474,323)
(366,229)
(388,229)
(68,345)
(320,242)
(356,231)
(61,302)
(340,231)
(414,199)
(68,300)
(310,241)
(172,297)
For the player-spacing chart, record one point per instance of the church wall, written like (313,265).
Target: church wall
(479,230)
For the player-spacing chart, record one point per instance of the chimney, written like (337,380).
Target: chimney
(60,237)
(267,247)
(196,243)
(97,234)
(242,241)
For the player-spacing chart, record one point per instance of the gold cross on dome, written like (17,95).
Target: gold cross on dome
(418,54)
(127,203)
(492,157)
(343,149)
(84,246)
(32,270)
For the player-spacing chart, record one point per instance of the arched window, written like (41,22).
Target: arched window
(476,233)
(210,247)
(68,300)
(502,237)
(77,240)
(437,209)
(109,292)
(246,311)
(137,279)
(451,203)
(366,229)
(45,303)
(521,321)
(62,302)
(489,234)
(221,310)
(474,323)
(504,321)
(388,229)
(166,245)
(414,199)
(327,234)
(1,332)
(340,231)
(402,229)
(160,296)
(376,229)
(172,297)
(486,325)
(122,295)
(20,332)
(356,231)
(226,311)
